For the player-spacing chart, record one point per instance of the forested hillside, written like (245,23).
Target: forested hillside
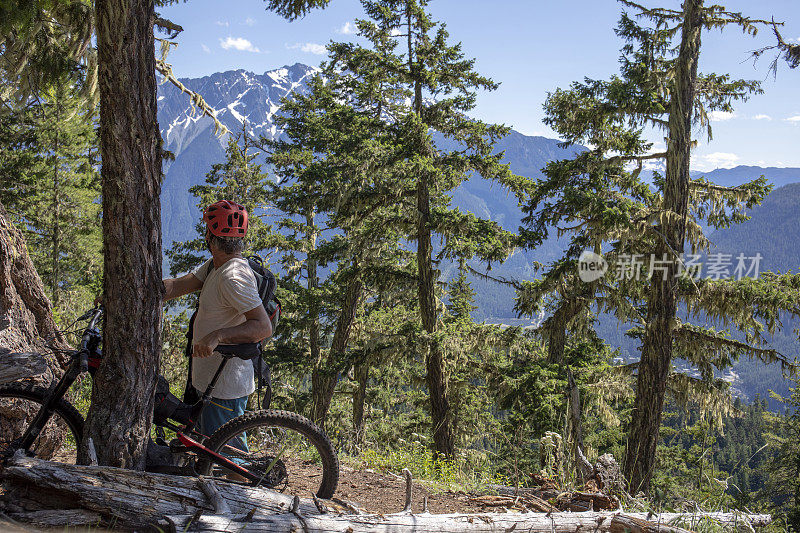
(245,99)
(512,322)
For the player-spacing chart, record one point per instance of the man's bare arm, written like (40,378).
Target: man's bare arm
(175,288)
(257,327)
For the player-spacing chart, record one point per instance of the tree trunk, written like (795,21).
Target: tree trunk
(656,358)
(26,319)
(56,214)
(313,326)
(556,330)
(574,433)
(122,397)
(436,378)
(359,400)
(26,324)
(327,377)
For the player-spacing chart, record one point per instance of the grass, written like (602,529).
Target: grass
(464,473)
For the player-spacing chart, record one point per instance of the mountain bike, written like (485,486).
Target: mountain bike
(269,448)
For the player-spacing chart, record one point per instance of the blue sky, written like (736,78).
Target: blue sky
(531,47)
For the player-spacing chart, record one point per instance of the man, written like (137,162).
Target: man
(230,312)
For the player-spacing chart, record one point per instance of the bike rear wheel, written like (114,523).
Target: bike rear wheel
(61,436)
(289,452)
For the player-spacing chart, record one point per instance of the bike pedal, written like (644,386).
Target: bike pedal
(175,446)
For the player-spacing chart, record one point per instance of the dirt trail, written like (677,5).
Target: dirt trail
(381,492)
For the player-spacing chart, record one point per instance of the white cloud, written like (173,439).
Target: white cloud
(348,28)
(238,43)
(722,159)
(224,23)
(311,48)
(205,48)
(794,120)
(718,116)
(249,21)
(395,32)
(762,117)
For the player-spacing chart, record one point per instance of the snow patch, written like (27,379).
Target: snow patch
(238,116)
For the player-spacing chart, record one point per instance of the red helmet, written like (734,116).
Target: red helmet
(226,219)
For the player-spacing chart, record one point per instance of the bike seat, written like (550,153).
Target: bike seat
(242,351)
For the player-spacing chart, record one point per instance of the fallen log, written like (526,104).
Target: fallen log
(562,522)
(631,524)
(692,519)
(587,501)
(23,366)
(123,497)
(544,492)
(53,494)
(422,522)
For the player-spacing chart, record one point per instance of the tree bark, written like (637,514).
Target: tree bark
(26,323)
(630,524)
(359,400)
(122,397)
(26,319)
(656,358)
(327,377)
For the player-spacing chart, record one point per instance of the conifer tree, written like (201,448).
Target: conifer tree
(783,485)
(66,238)
(44,45)
(603,199)
(240,179)
(51,188)
(328,166)
(412,52)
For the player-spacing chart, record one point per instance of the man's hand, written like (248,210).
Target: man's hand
(205,346)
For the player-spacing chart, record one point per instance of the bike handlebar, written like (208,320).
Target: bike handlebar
(242,351)
(84,350)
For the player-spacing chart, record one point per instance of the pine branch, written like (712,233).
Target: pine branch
(712,396)
(167,26)
(657,121)
(637,158)
(702,184)
(692,335)
(791,52)
(497,279)
(669,14)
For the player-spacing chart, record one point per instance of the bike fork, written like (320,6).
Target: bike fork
(48,407)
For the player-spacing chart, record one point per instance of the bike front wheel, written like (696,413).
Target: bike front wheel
(287,451)
(61,436)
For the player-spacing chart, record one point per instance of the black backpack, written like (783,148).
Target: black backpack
(266,284)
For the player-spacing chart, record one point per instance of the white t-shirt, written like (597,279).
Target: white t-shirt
(228,293)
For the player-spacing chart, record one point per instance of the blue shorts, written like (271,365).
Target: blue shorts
(218,412)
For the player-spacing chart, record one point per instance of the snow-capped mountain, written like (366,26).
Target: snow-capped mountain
(235,95)
(244,97)
(238,97)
